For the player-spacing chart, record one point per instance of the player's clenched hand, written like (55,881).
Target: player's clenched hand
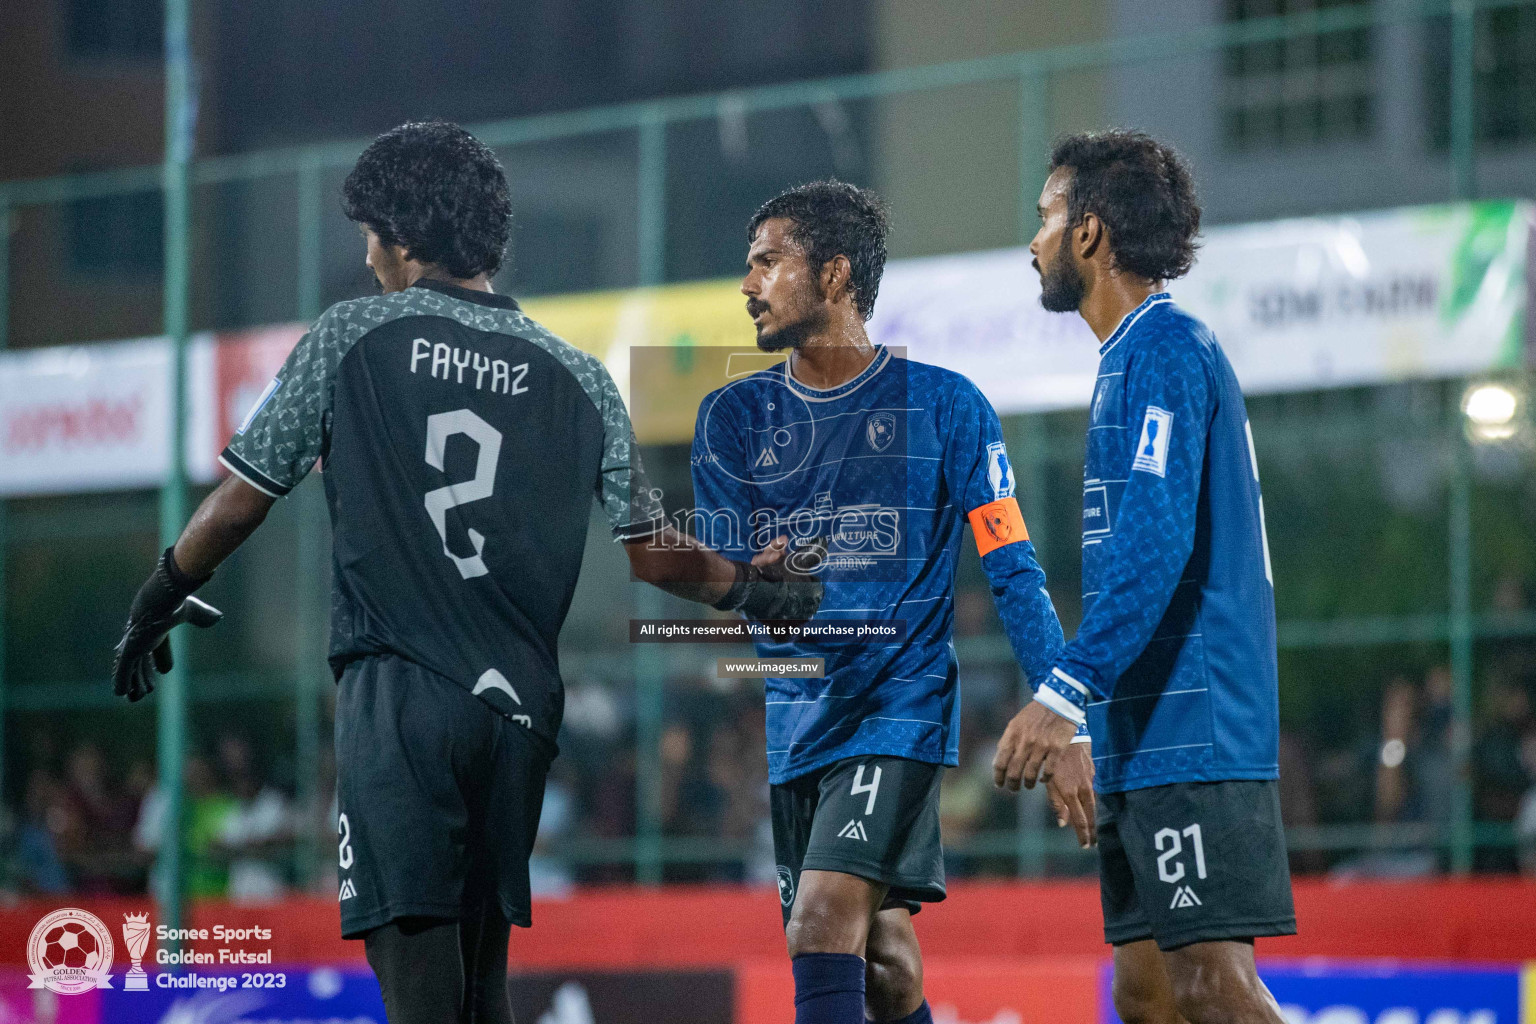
(162,604)
(1035,734)
(780,583)
(1069,783)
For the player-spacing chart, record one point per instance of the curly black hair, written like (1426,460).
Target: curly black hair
(435,189)
(1143,192)
(833,218)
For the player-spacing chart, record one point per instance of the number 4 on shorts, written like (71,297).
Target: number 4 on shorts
(873,789)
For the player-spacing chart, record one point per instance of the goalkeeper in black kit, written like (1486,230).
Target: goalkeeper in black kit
(463,447)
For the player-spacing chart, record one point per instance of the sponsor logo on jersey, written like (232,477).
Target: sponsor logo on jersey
(767,458)
(881,430)
(854,830)
(491,679)
(1152,449)
(1183,897)
(348,890)
(999,471)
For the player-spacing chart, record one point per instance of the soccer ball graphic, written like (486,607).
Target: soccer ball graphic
(71,944)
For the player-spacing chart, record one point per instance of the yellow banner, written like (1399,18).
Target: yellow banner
(647,338)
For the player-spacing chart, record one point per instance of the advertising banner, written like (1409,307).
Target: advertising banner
(969,990)
(1323,302)
(85,417)
(1435,291)
(1388,992)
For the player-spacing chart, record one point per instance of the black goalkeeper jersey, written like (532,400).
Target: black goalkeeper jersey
(463,446)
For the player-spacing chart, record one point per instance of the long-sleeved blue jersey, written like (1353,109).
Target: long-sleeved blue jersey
(1174,665)
(888,466)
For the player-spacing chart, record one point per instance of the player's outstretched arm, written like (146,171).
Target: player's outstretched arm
(777,585)
(220,525)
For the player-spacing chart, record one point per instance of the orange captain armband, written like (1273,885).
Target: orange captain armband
(997,523)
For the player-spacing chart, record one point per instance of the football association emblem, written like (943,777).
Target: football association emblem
(70,951)
(880,430)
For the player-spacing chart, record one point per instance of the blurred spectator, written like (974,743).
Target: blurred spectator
(1500,777)
(31,861)
(1525,820)
(1511,593)
(1298,798)
(94,841)
(205,811)
(258,830)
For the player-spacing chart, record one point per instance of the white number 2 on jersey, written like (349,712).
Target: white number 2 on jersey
(439,429)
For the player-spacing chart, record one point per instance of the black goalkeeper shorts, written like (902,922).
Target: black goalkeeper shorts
(439,798)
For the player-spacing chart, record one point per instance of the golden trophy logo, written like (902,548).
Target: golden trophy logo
(136,935)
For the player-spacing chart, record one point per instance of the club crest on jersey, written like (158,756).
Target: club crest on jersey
(999,471)
(786,886)
(1152,449)
(881,430)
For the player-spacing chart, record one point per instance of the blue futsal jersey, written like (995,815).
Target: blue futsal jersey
(1174,665)
(888,466)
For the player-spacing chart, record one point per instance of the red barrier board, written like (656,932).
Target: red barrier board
(1491,919)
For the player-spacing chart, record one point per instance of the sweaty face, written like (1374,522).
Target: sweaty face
(783,292)
(1061,281)
(387,263)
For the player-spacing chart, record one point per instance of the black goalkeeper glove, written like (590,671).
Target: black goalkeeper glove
(164,602)
(783,591)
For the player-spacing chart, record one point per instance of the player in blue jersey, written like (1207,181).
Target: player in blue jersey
(1174,666)
(886,459)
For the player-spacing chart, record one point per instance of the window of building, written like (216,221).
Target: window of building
(116,234)
(1297,92)
(117,29)
(1504,70)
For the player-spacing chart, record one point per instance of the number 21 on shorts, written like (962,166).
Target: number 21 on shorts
(1170,846)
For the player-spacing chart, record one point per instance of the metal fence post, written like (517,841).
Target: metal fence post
(650,676)
(1463,119)
(1034,145)
(5,320)
(171,701)
(1460,552)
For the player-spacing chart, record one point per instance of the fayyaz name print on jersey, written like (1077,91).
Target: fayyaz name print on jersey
(451,363)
